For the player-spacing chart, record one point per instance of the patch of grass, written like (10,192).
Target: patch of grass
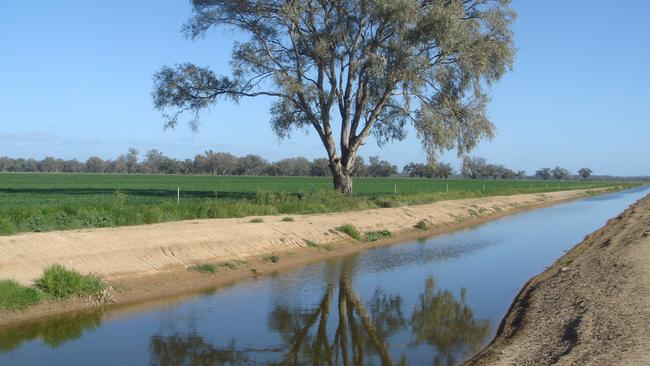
(312,244)
(15,296)
(288,219)
(421,225)
(350,230)
(257,220)
(327,247)
(62,283)
(228,264)
(204,268)
(273,258)
(376,235)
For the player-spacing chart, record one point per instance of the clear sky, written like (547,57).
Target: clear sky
(76,81)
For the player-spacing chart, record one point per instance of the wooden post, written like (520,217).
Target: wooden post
(178,195)
(483,187)
(447,187)
(395,188)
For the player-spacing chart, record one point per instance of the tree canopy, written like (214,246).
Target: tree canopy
(354,68)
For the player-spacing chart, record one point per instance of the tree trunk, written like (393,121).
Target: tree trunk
(342,178)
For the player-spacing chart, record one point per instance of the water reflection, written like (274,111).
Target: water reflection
(447,323)
(53,332)
(192,349)
(344,330)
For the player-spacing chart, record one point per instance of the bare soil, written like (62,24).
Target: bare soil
(145,263)
(592,307)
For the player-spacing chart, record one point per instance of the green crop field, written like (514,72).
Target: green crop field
(45,202)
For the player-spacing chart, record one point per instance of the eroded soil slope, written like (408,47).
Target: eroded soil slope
(592,307)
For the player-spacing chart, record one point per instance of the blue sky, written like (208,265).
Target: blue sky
(76,79)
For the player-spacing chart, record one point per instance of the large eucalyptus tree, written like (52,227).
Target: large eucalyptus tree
(351,68)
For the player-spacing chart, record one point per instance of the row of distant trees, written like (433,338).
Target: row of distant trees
(210,162)
(561,173)
(479,168)
(222,163)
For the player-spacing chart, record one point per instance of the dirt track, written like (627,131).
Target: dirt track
(592,307)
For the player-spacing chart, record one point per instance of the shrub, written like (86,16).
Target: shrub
(204,268)
(350,230)
(231,265)
(37,224)
(421,225)
(257,220)
(327,247)
(288,219)
(312,244)
(15,296)
(60,282)
(273,258)
(376,235)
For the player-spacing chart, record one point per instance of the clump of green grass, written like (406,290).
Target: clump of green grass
(327,247)
(312,244)
(16,296)
(421,225)
(288,219)
(273,258)
(376,235)
(257,220)
(228,264)
(204,268)
(62,283)
(350,230)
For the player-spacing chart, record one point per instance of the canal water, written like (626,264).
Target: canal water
(428,302)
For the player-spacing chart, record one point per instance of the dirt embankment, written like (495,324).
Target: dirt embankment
(592,307)
(150,262)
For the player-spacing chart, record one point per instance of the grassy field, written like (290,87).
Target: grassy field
(45,202)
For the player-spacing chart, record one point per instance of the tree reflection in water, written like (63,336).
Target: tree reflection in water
(53,332)
(447,323)
(191,349)
(362,330)
(360,333)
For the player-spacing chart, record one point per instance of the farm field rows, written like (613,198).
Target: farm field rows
(45,202)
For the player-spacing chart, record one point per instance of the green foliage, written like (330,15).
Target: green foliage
(421,225)
(62,283)
(376,235)
(350,230)
(228,264)
(325,247)
(204,268)
(257,220)
(273,258)
(42,202)
(312,244)
(288,219)
(16,296)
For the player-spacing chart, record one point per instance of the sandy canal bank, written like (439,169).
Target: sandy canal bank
(151,262)
(592,307)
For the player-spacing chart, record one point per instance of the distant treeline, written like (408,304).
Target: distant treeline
(222,163)
(213,163)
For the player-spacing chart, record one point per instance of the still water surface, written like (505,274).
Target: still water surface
(428,302)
